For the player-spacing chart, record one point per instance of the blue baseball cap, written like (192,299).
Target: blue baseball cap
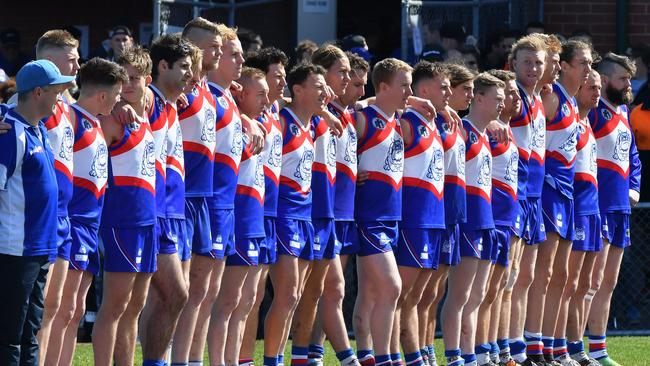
(39,73)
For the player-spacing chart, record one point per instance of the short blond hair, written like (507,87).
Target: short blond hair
(530,42)
(327,55)
(385,70)
(200,23)
(502,75)
(227,33)
(196,55)
(137,57)
(251,73)
(484,82)
(55,38)
(552,43)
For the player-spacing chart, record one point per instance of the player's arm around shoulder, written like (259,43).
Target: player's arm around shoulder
(551,104)
(407,132)
(113,130)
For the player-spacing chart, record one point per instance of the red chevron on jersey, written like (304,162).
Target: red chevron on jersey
(538,130)
(175,159)
(198,122)
(90,153)
(478,163)
(228,129)
(272,146)
(562,136)
(324,150)
(505,162)
(297,154)
(250,181)
(381,152)
(614,138)
(586,165)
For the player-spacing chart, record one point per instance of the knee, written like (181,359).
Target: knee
(66,312)
(391,290)
(570,289)
(78,313)
(288,298)
(608,284)
(582,288)
(334,295)
(525,279)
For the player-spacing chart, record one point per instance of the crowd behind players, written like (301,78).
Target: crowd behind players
(199,170)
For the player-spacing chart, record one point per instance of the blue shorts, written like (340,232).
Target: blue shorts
(377,237)
(325,244)
(450,248)
(222,226)
(615,227)
(269,247)
(84,251)
(295,238)
(479,244)
(558,213)
(419,248)
(247,252)
(534,232)
(129,250)
(520,218)
(348,237)
(63,239)
(587,233)
(502,237)
(172,238)
(197,224)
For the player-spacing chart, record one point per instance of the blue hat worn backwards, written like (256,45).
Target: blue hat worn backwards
(39,73)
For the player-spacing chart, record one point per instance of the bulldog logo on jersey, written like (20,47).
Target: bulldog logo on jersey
(446,127)
(622,147)
(378,123)
(178,144)
(163,151)
(149,160)
(67,143)
(207,130)
(237,139)
(537,138)
(395,160)
(484,172)
(222,102)
(303,170)
(460,153)
(259,174)
(569,145)
(472,137)
(351,148)
(580,233)
(593,159)
(607,115)
(86,125)
(565,110)
(275,157)
(424,132)
(435,170)
(294,130)
(99,166)
(512,166)
(331,151)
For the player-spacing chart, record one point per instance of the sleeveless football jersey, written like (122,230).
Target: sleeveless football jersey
(562,132)
(130,199)
(91,169)
(227,156)
(346,163)
(175,174)
(249,198)
(60,133)
(478,172)
(585,184)
(197,125)
(381,154)
(159,124)
(424,175)
(537,148)
(272,160)
(505,167)
(294,194)
(324,170)
(454,167)
(522,131)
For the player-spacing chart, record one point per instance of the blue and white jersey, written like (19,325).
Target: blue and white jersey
(505,166)
(60,133)
(249,198)
(521,126)
(28,190)
(159,125)
(537,148)
(585,183)
(478,172)
(175,174)
(323,176)
(272,159)
(455,190)
(346,163)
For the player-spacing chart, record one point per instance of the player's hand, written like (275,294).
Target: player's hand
(546,90)
(422,106)
(498,131)
(634,197)
(124,114)
(334,124)
(362,177)
(450,115)
(330,94)
(4,126)
(182,102)
(255,136)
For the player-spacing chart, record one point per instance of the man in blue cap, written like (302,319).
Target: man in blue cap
(28,206)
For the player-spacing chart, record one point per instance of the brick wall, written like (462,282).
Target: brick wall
(599,18)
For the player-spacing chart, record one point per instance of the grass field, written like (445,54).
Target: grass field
(628,351)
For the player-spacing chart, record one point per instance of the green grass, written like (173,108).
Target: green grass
(628,351)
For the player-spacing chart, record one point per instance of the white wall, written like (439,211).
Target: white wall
(316,20)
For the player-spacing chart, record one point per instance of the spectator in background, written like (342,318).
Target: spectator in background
(499,43)
(452,37)
(641,56)
(356,44)
(470,56)
(535,27)
(251,42)
(432,50)
(580,34)
(11,59)
(304,50)
(640,120)
(119,39)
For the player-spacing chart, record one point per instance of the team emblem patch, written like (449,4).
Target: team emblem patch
(472,137)
(565,110)
(134,126)
(446,127)
(580,233)
(424,132)
(379,123)
(294,130)
(86,125)
(222,102)
(607,115)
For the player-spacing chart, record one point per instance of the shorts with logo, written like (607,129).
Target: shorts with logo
(295,238)
(502,236)
(479,244)
(450,246)
(247,252)
(325,244)
(587,233)
(63,239)
(558,213)
(222,226)
(519,225)
(269,247)
(129,249)
(197,224)
(534,231)
(347,236)
(377,237)
(84,251)
(172,238)
(615,227)
(419,248)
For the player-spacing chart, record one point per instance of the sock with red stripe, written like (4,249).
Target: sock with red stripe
(414,359)
(346,356)
(316,352)
(548,346)
(246,361)
(299,356)
(560,348)
(396,359)
(453,357)
(597,346)
(534,345)
(365,357)
(382,360)
(424,353)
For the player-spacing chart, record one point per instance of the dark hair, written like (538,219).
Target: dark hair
(300,73)
(428,70)
(606,64)
(137,57)
(327,55)
(357,62)
(570,47)
(170,48)
(100,72)
(266,57)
